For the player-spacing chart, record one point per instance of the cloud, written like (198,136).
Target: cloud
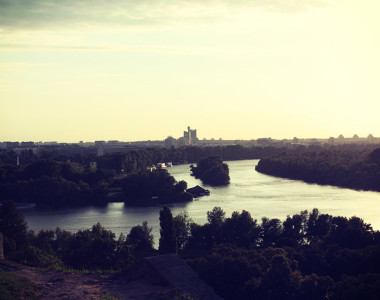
(91,14)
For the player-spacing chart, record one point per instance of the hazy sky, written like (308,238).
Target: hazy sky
(90,70)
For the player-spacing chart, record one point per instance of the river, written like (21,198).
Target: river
(249,190)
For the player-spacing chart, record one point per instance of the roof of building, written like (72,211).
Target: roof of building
(171,270)
(196,190)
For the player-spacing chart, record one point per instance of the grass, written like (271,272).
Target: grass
(13,287)
(107,296)
(82,271)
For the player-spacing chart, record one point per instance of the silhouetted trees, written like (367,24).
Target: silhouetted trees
(307,256)
(168,243)
(153,187)
(13,227)
(212,171)
(350,169)
(182,229)
(141,239)
(75,176)
(50,183)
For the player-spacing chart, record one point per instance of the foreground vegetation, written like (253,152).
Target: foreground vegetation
(355,169)
(308,256)
(13,287)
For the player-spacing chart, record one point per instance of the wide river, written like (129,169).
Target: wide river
(261,195)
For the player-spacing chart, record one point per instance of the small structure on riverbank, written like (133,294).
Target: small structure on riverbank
(168,271)
(198,191)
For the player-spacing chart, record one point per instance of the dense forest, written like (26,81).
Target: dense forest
(356,169)
(133,160)
(146,187)
(57,178)
(60,179)
(307,256)
(211,170)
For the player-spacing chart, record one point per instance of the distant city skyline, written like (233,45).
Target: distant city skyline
(144,70)
(184,140)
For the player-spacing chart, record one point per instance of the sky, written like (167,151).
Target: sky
(130,70)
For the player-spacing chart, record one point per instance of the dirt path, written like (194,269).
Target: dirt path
(63,285)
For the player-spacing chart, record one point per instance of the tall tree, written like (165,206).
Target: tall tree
(141,238)
(167,242)
(182,228)
(13,227)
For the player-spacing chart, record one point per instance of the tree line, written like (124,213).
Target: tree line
(54,179)
(358,169)
(309,255)
(49,183)
(134,159)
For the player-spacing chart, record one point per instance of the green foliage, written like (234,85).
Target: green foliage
(173,294)
(13,287)
(92,249)
(153,187)
(141,239)
(107,296)
(180,186)
(36,257)
(313,251)
(182,228)
(374,156)
(366,286)
(41,168)
(241,230)
(13,227)
(167,243)
(216,216)
(308,256)
(294,228)
(271,232)
(63,177)
(212,171)
(356,169)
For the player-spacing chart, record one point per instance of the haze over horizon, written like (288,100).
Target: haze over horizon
(142,70)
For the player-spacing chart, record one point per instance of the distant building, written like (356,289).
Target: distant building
(190,137)
(27,144)
(264,141)
(100,143)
